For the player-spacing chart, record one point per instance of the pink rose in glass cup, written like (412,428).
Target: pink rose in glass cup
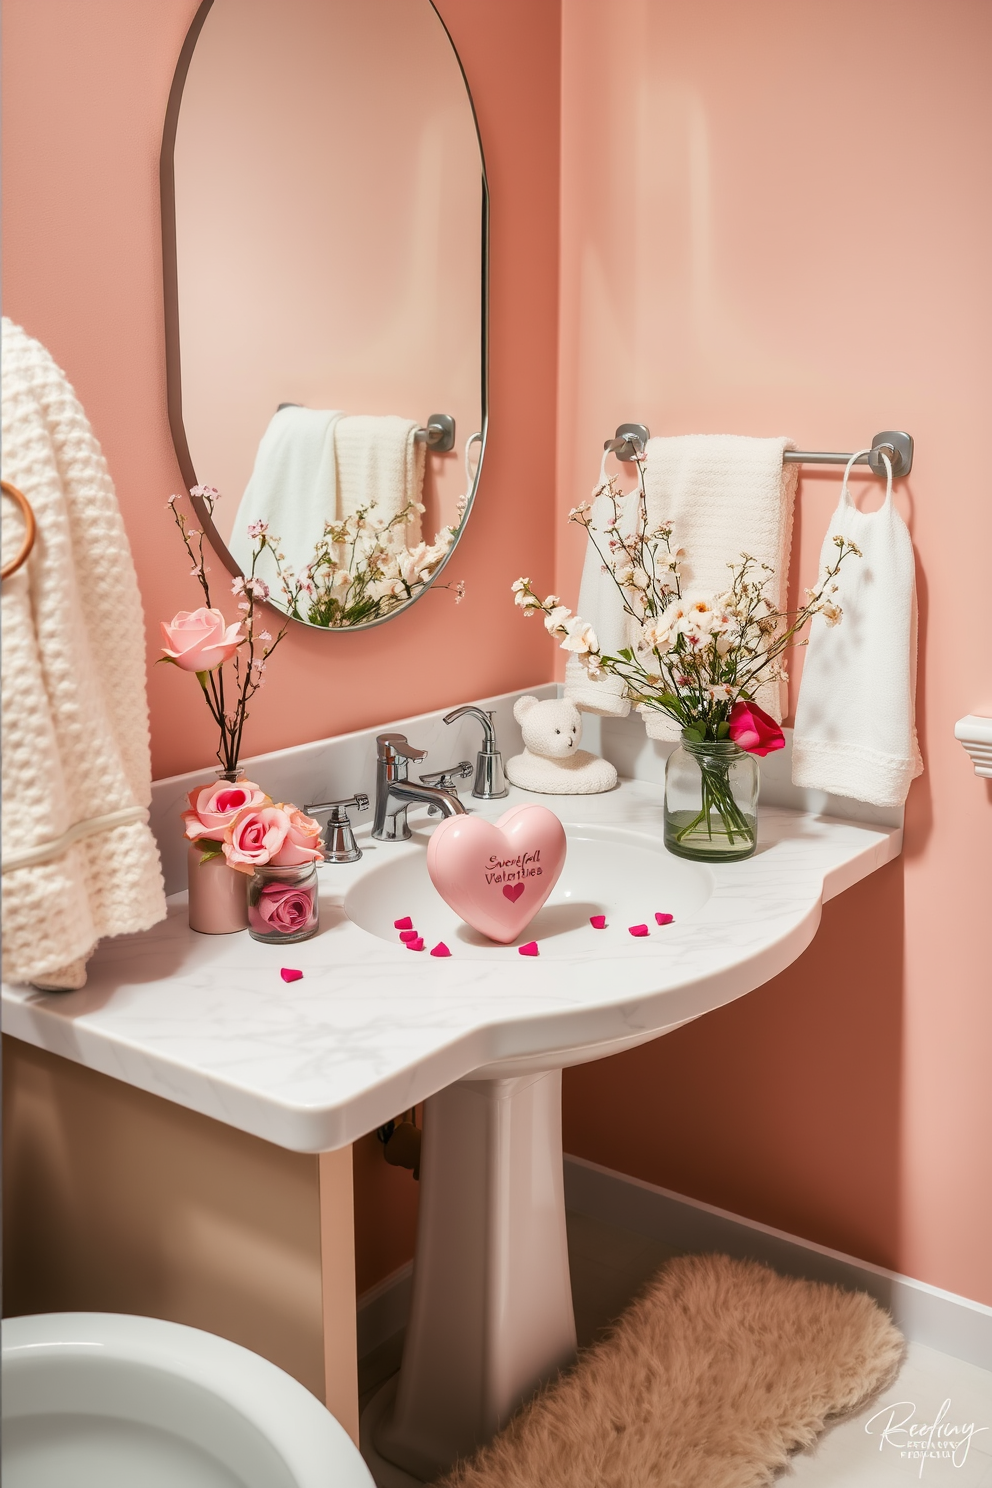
(302,844)
(200,640)
(283,909)
(214,807)
(254,836)
(754,729)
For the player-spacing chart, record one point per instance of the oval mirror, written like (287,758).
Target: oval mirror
(324,223)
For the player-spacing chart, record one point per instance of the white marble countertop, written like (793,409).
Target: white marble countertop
(206,1021)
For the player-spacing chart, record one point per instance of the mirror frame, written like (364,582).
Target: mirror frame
(173,340)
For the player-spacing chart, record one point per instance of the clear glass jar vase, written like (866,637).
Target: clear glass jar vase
(711,801)
(283,905)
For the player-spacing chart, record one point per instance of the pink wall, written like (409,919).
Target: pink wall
(85,90)
(764,231)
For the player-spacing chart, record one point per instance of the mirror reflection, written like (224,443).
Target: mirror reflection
(325,199)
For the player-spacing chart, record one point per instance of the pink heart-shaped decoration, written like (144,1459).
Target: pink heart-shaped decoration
(497,875)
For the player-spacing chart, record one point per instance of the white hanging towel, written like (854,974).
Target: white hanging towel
(381,464)
(725,494)
(855,733)
(79,861)
(601,606)
(293,487)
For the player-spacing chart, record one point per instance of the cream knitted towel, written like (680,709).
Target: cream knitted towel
(855,733)
(725,494)
(380,462)
(75,716)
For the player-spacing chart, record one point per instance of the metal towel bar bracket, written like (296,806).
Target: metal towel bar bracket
(631,438)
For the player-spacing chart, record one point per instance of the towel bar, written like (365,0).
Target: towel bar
(629,438)
(439,435)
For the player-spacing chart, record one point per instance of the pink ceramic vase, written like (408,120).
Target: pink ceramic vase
(218,895)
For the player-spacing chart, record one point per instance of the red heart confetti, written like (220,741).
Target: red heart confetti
(405,924)
(289,975)
(530,949)
(440,949)
(414,945)
(638,929)
(598,922)
(664,919)
(408,935)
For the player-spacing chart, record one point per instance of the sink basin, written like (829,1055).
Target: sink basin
(626,875)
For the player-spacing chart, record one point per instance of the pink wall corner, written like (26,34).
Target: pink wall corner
(764,232)
(85,90)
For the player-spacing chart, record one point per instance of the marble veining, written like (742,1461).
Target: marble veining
(206,1021)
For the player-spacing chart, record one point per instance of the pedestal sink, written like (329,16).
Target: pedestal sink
(491,1314)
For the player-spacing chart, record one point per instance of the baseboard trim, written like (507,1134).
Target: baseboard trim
(925,1314)
(383,1309)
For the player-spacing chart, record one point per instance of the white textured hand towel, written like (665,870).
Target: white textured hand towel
(855,733)
(380,463)
(293,487)
(79,861)
(601,605)
(725,494)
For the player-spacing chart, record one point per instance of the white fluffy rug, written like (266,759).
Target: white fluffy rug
(713,1378)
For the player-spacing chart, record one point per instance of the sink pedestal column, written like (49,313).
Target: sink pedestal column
(491,1316)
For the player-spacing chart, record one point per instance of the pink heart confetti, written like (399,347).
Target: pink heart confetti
(408,935)
(414,945)
(440,949)
(664,919)
(289,975)
(530,949)
(512,892)
(598,922)
(638,929)
(405,924)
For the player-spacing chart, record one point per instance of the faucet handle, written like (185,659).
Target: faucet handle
(397,746)
(445,779)
(339,835)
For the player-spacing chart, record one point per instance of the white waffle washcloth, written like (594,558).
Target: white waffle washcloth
(855,733)
(79,860)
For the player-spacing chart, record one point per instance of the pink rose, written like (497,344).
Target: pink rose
(200,640)
(214,807)
(284,908)
(754,730)
(254,836)
(302,844)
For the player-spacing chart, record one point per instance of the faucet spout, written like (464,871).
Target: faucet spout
(406,790)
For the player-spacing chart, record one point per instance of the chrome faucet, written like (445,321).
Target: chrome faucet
(394,793)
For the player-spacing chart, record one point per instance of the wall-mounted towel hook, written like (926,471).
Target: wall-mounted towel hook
(629,440)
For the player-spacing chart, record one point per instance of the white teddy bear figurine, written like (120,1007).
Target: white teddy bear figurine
(552,761)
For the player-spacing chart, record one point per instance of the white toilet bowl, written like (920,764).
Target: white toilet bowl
(107,1400)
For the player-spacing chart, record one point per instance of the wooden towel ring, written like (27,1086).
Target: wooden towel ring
(30,529)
